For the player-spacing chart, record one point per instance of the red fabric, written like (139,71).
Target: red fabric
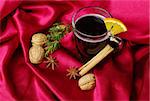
(122,77)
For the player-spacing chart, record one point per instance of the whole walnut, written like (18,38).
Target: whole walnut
(39,39)
(87,82)
(36,54)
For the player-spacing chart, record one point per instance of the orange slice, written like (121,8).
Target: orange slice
(115,26)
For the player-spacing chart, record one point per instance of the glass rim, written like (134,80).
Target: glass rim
(73,21)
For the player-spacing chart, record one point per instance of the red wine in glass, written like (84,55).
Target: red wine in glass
(91,34)
(90,31)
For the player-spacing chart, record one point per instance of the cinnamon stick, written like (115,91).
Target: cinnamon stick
(95,60)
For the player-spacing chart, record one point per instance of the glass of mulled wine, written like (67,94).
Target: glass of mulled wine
(90,31)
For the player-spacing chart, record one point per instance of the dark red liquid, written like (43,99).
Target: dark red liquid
(90,25)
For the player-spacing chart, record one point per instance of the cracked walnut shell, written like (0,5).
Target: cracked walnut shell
(87,82)
(39,39)
(36,54)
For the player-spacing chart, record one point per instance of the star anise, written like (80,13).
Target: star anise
(72,72)
(51,62)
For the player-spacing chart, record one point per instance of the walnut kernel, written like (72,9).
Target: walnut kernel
(39,39)
(36,54)
(87,82)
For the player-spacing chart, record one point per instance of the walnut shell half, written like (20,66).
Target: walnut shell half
(87,82)
(39,39)
(36,54)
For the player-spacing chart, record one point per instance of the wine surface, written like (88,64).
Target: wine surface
(91,24)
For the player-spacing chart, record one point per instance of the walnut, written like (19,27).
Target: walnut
(36,54)
(39,39)
(87,82)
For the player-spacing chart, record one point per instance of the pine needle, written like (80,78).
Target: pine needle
(57,31)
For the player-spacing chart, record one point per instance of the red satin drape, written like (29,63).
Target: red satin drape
(124,76)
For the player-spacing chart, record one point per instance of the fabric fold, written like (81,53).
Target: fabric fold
(121,76)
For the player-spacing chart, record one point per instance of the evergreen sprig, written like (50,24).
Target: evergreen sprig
(56,32)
